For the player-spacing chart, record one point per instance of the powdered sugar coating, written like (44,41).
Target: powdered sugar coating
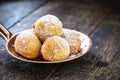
(73,39)
(55,48)
(26,33)
(85,41)
(51,19)
(47,26)
(27,44)
(58,40)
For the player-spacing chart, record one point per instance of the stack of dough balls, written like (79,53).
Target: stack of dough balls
(47,38)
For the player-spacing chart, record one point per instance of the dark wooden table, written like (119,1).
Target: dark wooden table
(99,19)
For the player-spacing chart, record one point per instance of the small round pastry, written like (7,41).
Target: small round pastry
(48,26)
(55,48)
(27,44)
(73,39)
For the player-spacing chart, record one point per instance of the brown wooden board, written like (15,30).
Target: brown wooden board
(110,53)
(81,16)
(13,11)
(103,61)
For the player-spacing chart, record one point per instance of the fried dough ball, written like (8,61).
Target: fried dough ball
(27,44)
(73,39)
(55,48)
(48,26)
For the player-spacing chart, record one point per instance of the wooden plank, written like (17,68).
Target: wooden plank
(103,61)
(113,70)
(111,51)
(80,16)
(13,11)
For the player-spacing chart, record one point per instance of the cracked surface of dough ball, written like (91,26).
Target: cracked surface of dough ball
(73,39)
(27,44)
(55,48)
(47,26)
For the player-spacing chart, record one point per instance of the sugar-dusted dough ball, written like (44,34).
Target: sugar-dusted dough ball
(27,44)
(48,26)
(73,39)
(55,48)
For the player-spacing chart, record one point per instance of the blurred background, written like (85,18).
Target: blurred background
(12,11)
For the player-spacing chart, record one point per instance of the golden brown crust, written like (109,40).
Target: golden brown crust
(73,40)
(48,26)
(27,44)
(55,48)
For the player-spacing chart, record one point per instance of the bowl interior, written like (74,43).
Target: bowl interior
(85,46)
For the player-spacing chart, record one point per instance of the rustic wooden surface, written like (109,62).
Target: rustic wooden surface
(13,11)
(98,19)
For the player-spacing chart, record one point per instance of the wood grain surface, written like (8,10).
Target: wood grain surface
(98,19)
(12,12)
(102,62)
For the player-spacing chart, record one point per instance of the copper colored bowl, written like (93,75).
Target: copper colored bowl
(86,44)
